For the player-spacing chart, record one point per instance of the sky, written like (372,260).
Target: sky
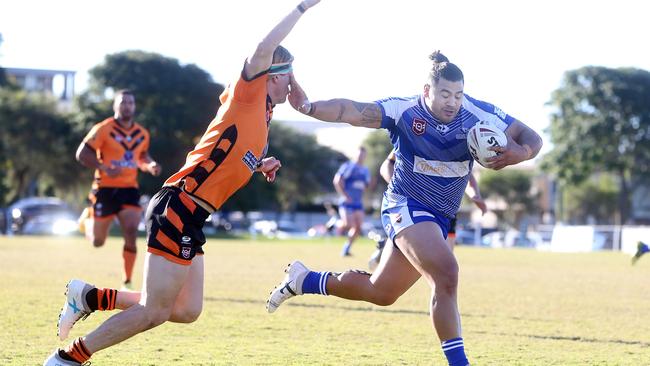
(512,53)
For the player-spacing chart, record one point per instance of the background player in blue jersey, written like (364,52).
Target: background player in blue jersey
(433,164)
(350,181)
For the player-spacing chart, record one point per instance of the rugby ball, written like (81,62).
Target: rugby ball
(481,136)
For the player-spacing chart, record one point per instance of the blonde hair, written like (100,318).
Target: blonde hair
(282,56)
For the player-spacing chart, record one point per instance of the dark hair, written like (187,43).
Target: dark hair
(442,68)
(124,92)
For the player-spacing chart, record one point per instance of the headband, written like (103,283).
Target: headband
(280,68)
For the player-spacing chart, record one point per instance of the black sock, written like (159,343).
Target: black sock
(65,356)
(91,299)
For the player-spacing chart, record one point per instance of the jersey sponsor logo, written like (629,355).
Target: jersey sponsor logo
(419,126)
(435,168)
(359,184)
(423,213)
(126,162)
(250,160)
(186,239)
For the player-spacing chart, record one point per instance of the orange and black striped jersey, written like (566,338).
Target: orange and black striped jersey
(117,146)
(227,155)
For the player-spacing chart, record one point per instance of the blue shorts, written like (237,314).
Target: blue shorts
(399,212)
(349,207)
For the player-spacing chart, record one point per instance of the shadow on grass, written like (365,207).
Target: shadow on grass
(425,313)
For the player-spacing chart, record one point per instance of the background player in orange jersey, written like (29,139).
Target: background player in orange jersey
(230,151)
(115,148)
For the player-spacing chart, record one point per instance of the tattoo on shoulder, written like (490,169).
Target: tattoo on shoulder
(370,112)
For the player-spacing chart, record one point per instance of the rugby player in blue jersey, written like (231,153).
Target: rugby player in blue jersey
(350,181)
(428,132)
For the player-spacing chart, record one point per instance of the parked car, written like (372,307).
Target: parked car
(467,236)
(42,215)
(273,229)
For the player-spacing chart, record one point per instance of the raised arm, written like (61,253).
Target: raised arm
(263,55)
(335,110)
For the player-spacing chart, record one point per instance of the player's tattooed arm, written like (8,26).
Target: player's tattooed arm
(370,114)
(348,111)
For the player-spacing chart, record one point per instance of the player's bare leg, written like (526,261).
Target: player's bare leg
(392,278)
(428,251)
(97,229)
(129,219)
(163,283)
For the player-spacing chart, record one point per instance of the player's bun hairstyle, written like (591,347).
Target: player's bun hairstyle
(442,68)
(281,55)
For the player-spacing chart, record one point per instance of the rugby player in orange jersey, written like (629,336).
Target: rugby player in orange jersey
(115,148)
(230,151)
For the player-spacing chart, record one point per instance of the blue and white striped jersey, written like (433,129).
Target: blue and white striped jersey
(355,180)
(433,162)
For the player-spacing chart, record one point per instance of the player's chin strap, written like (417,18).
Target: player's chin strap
(280,68)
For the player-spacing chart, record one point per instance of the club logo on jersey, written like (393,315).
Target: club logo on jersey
(442,128)
(250,160)
(186,252)
(419,126)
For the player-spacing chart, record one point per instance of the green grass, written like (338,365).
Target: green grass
(519,307)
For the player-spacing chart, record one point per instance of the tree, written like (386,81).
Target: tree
(307,171)
(35,143)
(591,202)
(3,76)
(512,186)
(175,102)
(601,123)
(378,145)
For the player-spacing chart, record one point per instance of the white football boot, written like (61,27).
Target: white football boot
(289,287)
(56,360)
(75,307)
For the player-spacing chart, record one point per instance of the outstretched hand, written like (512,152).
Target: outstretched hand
(309,3)
(511,154)
(269,167)
(297,97)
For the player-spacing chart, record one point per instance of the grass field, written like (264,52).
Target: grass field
(519,307)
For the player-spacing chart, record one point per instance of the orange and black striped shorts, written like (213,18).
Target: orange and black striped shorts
(175,226)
